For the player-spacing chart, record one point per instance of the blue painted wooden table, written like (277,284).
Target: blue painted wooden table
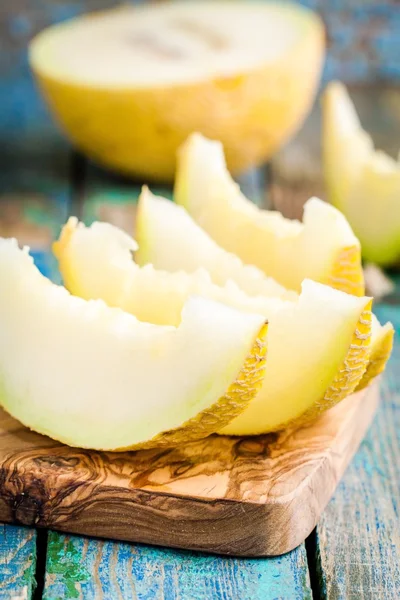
(354,552)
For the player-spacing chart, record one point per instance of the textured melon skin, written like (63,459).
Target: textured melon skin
(381,349)
(138,131)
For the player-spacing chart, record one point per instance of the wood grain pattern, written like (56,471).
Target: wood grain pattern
(242,496)
(124,571)
(17,562)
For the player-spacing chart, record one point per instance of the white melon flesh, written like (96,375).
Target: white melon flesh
(318,344)
(170,239)
(322,248)
(96,377)
(130,84)
(362,182)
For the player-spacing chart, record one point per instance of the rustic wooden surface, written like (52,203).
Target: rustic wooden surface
(17,562)
(138,572)
(365,46)
(252,496)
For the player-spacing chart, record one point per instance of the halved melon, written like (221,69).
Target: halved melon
(128,85)
(322,248)
(170,239)
(318,345)
(96,377)
(362,182)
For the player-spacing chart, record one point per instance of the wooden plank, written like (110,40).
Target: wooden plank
(358,537)
(17,562)
(89,570)
(357,544)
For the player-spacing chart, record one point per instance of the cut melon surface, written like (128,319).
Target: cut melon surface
(362,182)
(128,85)
(170,239)
(323,247)
(96,377)
(318,344)
(96,263)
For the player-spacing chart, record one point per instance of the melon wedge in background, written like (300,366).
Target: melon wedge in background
(322,248)
(170,239)
(129,85)
(96,377)
(318,344)
(362,182)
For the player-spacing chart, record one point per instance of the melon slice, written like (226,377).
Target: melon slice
(129,85)
(322,248)
(318,345)
(381,349)
(170,239)
(96,377)
(362,182)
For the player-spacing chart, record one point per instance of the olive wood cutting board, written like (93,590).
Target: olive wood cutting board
(252,496)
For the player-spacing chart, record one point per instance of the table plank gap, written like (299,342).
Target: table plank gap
(90,569)
(41,549)
(314,567)
(78,165)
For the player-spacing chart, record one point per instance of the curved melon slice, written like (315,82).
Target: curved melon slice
(173,241)
(322,248)
(170,239)
(381,349)
(93,376)
(318,345)
(362,182)
(96,263)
